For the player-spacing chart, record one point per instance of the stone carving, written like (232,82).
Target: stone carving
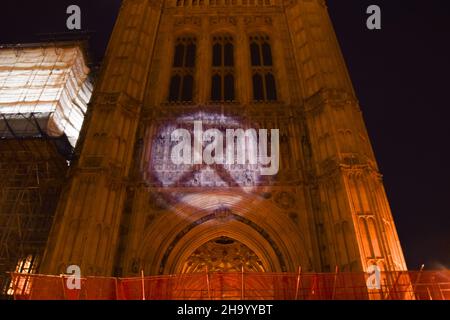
(258,20)
(223,255)
(135,264)
(293,216)
(223,214)
(158,202)
(149,220)
(232,216)
(285,200)
(92,162)
(187,20)
(222,19)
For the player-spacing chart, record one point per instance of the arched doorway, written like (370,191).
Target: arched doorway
(254,221)
(223,254)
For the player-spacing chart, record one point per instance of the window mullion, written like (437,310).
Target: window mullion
(224,70)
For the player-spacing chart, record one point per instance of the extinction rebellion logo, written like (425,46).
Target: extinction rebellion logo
(237,146)
(203,151)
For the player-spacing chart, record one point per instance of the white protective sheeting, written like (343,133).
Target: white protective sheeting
(49,82)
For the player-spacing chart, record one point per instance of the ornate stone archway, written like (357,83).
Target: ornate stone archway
(253,221)
(223,254)
(222,223)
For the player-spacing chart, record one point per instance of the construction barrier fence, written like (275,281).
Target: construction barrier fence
(421,285)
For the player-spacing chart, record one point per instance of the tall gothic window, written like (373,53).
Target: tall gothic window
(183,69)
(263,79)
(222,82)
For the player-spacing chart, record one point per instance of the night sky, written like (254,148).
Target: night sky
(402,78)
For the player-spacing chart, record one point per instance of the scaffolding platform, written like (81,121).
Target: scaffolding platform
(32,173)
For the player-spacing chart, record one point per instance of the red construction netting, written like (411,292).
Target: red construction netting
(425,285)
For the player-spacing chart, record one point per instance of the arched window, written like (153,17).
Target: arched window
(267,54)
(179,55)
(217,55)
(188,87)
(258,87)
(216,86)
(271,90)
(229,88)
(175,85)
(222,81)
(264,84)
(182,81)
(256,56)
(228,55)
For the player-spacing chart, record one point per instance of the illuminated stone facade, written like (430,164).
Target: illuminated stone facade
(246,63)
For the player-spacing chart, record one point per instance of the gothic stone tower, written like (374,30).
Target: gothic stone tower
(271,64)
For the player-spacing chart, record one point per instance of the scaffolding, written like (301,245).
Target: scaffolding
(44,92)
(31,178)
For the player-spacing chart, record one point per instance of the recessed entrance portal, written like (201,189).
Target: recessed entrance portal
(223,254)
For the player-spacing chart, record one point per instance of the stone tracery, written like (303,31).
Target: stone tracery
(223,255)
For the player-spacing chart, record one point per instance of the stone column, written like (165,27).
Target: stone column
(353,219)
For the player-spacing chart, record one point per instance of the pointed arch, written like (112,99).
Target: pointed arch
(217,55)
(229,87)
(258,87)
(216,85)
(222,81)
(181,87)
(267,54)
(188,88)
(373,231)
(264,83)
(255,54)
(271,90)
